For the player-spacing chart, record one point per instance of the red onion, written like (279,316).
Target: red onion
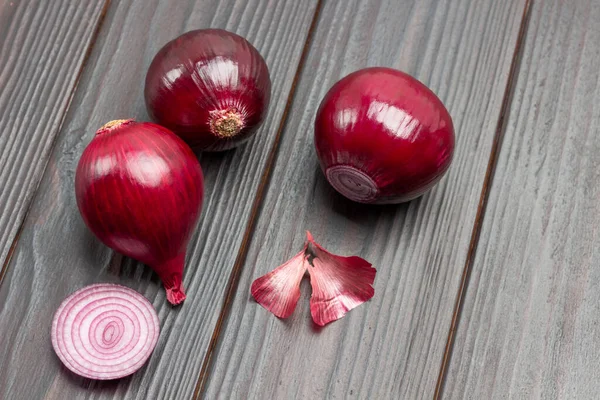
(383,137)
(139,188)
(338,283)
(104,331)
(209,86)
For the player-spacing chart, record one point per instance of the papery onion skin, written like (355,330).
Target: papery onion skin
(139,189)
(382,136)
(211,87)
(339,284)
(279,290)
(105,331)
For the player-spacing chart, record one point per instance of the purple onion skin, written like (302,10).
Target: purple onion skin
(383,137)
(211,87)
(139,189)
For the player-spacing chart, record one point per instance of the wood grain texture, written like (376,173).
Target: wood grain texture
(43,46)
(529,325)
(484,197)
(392,346)
(56,254)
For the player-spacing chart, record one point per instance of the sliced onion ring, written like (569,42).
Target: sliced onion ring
(105,331)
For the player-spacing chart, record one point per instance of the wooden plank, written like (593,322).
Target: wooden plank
(528,327)
(392,346)
(57,254)
(43,46)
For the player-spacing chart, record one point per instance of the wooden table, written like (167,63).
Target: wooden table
(488,286)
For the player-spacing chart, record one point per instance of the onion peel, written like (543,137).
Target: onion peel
(279,290)
(338,283)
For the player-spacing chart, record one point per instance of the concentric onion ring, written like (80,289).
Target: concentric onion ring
(105,331)
(352,183)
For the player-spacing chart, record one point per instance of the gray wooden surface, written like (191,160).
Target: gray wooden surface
(56,254)
(527,319)
(392,346)
(529,327)
(43,46)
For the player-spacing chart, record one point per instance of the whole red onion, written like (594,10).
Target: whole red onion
(139,189)
(383,137)
(209,86)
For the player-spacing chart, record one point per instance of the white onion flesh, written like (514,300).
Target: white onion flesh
(105,331)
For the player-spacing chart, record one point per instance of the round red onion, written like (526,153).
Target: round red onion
(105,331)
(139,189)
(383,137)
(209,86)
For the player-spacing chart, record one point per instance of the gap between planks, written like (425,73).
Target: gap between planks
(483,199)
(234,277)
(54,140)
(265,178)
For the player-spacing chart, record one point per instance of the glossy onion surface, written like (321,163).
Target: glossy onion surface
(209,86)
(383,137)
(139,189)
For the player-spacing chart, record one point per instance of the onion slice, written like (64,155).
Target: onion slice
(339,284)
(105,331)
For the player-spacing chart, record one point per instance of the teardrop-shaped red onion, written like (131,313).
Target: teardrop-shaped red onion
(139,188)
(209,86)
(104,331)
(383,137)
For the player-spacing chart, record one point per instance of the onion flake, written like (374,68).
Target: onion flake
(339,284)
